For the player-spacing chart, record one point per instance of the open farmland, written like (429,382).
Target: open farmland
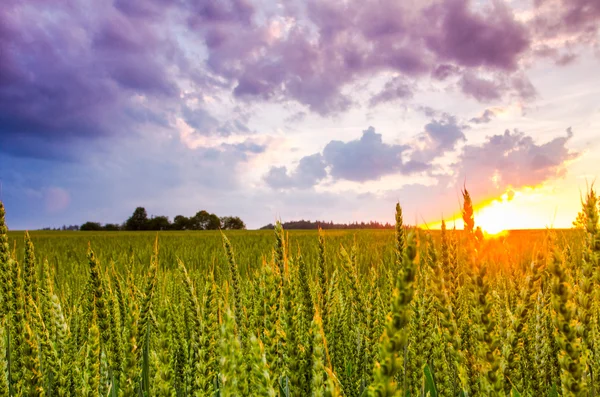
(300,313)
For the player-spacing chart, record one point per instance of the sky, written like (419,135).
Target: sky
(313,109)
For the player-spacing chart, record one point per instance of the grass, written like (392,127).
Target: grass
(300,313)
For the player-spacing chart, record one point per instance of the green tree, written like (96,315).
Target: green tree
(232,223)
(91,226)
(137,221)
(214,222)
(111,227)
(200,220)
(180,222)
(160,222)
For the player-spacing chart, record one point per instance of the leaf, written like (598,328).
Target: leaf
(553,392)
(284,391)
(514,392)
(430,388)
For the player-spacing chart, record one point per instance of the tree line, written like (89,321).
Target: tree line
(139,220)
(305,225)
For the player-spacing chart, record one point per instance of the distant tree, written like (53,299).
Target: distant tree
(214,222)
(91,226)
(232,223)
(203,220)
(137,221)
(180,222)
(302,224)
(159,223)
(200,220)
(112,227)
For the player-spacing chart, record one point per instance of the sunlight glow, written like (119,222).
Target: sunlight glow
(497,216)
(529,208)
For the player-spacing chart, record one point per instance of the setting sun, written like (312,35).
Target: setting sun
(526,209)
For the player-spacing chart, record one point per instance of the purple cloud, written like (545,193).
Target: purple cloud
(394,89)
(443,71)
(486,117)
(310,170)
(483,90)
(367,158)
(72,79)
(72,72)
(556,18)
(513,160)
(494,39)
(438,138)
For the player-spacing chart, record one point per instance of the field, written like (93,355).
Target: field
(301,313)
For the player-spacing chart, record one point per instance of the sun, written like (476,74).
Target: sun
(495,217)
(512,210)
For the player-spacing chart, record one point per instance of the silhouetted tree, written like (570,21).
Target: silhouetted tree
(137,221)
(302,224)
(91,226)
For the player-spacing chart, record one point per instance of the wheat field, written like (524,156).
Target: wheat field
(408,312)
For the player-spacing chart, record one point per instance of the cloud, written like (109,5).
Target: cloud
(364,159)
(486,117)
(204,123)
(438,138)
(367,158)
(310,170)
(76,76)
(494,39)
(523,87)
(483,90)
(393,89)
(310,56)
(512,160)
(443,71)
(72,73)
(498,87)
(567,21)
